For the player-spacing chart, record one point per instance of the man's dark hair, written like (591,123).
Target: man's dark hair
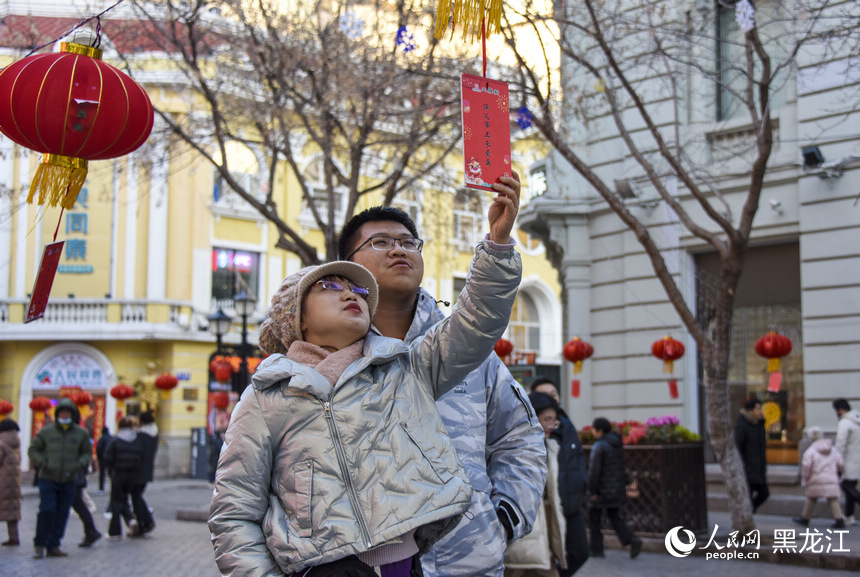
(841,405)
(146,418)
(751,402)
(602,424)
(541,402)
(542,381)
(9,424)
(347,240)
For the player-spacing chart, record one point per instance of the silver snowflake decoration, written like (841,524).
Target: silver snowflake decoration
(745,15)
(351,25)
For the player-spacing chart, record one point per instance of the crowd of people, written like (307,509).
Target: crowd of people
(61,455)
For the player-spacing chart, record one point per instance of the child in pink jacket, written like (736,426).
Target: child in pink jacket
(821,469)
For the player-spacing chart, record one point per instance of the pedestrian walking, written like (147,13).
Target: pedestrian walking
(821,468)
(751,441)
(336,456)
(541,552)
(124,457)
(848,445)
(572,481)
(148,434)
(495,433)
(101,446)
(82,503)
(10,479)
(607,487)
(59,451)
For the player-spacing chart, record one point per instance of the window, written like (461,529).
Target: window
(409,201)
(245,170)
(468,218)
(524,328)
(731,59)
(314,177)
(233,271)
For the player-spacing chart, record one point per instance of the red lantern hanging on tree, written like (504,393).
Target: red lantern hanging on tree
(669,350)
(773,346)
(504,348)
(72,107)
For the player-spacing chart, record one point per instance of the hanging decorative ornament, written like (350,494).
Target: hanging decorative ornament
(773,346)
(525,120)
(669,350)
(222,370)
(470,14)
(72,107)
(165,382)
(221,400)
(504,348)
(576,351)
(82,398)
(39,405)
(121,392)
(5,408)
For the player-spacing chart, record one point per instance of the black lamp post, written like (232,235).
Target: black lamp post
(245,305)
(219,324)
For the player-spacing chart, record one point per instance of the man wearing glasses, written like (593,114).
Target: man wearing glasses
(488,416)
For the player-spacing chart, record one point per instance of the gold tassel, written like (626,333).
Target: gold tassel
(59,180)
(668,366)
(773,365)
(469,14)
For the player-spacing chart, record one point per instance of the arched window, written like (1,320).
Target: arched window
(524,328)
(314,177)
(468,218)
(245,170)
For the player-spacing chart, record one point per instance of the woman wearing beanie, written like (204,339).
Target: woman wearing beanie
(336,458)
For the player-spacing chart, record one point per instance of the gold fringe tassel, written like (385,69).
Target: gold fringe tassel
(773,365)
(59,180)
(668,366)
(469,14)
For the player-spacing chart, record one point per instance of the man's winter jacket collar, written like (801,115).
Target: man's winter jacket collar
(753,420)
(853,416)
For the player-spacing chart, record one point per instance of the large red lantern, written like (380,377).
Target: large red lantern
(668,350)
(221,400)
(82,398)
(772,346)
(576,351)
(503,347)
(166,382)
(72,107)
(121,392)
(222,369)
(5,408)
(39,405)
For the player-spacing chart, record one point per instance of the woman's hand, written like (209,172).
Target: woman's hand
(504,208)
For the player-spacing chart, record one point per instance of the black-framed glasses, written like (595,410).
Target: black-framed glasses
(363,292)
(408,244)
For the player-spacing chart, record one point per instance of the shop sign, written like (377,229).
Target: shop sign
(70,369)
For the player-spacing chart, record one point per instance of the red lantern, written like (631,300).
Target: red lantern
(668,350)
(40,404)
(82,398)
(166,382)
(6,407)
(576,351)
(72,107)
(121,392)
(69,391)
(772,346)
(222,369)
(503,347)
(221,400)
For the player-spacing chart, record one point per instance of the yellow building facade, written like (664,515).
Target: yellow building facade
(156,244)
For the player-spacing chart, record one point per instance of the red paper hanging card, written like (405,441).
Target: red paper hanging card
(486,130)
(44,280)
(673,388)
(774,382)
(574,388)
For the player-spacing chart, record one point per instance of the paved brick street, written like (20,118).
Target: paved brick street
(182,548)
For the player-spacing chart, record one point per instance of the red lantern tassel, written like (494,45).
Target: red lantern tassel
(574,388)
(59,180)
(668,366)
(773,365)
(577,367)
(673,388)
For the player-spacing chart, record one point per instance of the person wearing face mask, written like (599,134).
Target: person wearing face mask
(59,451)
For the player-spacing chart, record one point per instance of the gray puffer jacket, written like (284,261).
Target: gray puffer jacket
(311,473)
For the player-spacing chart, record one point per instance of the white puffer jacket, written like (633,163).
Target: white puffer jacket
(311,473)
(848,443)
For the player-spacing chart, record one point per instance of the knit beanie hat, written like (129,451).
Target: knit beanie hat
(284,323)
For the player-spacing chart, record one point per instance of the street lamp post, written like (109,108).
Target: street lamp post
(245,305)
(219,324)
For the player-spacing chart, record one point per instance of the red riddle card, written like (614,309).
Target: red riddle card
(44,280)
(486,130)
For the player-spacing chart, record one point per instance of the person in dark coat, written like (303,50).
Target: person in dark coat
(10,479)
(79,504)
(124,457)
(148,435)
(751,440)
(101,446)
(607,487)
(572,481)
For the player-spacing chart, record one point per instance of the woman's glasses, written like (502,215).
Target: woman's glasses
(335,286)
